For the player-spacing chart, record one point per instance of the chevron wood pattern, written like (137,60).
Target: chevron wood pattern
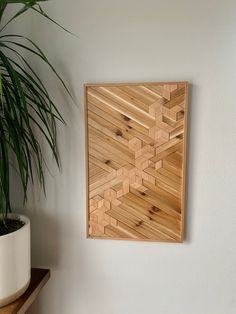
(136,156)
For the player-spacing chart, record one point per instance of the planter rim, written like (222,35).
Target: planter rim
(24,218)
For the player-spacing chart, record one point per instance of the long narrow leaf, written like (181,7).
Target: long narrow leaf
(26,107)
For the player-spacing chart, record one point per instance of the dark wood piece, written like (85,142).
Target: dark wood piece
(39,277)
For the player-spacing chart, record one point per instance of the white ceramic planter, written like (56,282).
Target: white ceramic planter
(15,266)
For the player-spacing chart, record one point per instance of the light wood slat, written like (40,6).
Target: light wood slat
(105,186)
(136,224)
(163,195)
(98,153)
(159,176)
(111,146)
(143,119)
(169,144)
(157,89)
(112,232)
(156,224)
(113,159)
(94,179)
(164,186)
(102,164)
(166,183)
(174,124)
(114,144)
(95,171)
(133,92)
(127,99)
(180,91)
(144,93)
(175,159)
(131,232)
(101,180)
(131,128)
(106,121)
(136,160)
(178,131)
(152,214)
(149,94)
(168,165)
(131,106)
(157,202)
(114,116)
(149,209)
(171,176)
(161,155)
(179,100)
(109,130)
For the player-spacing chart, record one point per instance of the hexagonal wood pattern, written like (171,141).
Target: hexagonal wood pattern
(136,152)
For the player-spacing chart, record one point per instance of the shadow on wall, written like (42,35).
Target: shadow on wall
(46,240)
(188,181)
(45,233)
(45,229)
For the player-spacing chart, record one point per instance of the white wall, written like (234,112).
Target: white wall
(129,41)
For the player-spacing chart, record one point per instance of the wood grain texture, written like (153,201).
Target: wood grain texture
(39,277)
(136,160)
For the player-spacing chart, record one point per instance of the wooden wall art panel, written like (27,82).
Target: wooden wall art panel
(136,152)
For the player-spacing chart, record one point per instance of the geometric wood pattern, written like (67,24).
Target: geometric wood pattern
(136,156)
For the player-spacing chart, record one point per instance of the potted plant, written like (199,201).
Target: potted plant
(25,106)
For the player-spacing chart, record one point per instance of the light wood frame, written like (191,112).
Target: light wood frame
(105,92)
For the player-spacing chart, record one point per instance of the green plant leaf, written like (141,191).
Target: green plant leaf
(26,108)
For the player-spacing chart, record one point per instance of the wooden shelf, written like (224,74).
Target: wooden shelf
(39,277)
